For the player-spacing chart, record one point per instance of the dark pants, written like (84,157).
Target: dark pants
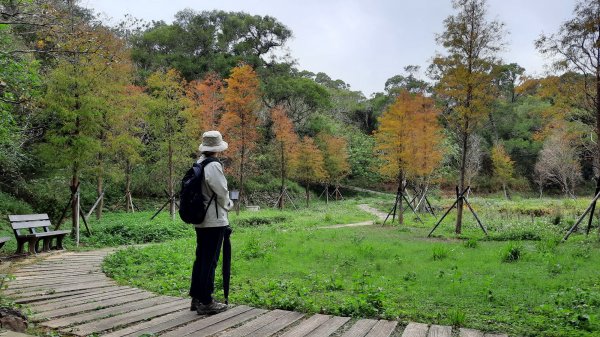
(208,247)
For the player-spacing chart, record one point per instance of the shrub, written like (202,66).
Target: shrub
(512,252)
(471,243)
(440,252)
(457,317)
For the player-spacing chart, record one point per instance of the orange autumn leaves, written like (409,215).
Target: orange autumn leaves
(409,138)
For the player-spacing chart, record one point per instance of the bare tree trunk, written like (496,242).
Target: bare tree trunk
(400,197)
(75,203)
(128,200)
(504,188)
(170,182)
(461,183)
(307,195)
(241,179)
(281,199)
(99,187)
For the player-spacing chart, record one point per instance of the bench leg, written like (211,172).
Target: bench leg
(47,242)
(20,244)
(59,240)
(32,245)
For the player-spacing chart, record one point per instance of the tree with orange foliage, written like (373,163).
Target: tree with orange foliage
(311,166)
(205,104)
(335,153)
(287,146)
(408,140)
(240,121)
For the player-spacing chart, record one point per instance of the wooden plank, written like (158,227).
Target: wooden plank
(54,280)
(93,305)
(57,273)
(99,314)
(19,278)
(361,328)
(329,327)
(58,304)
(440,331)
(307,326)
(13,334)
(278,325)
(208,321)
(127,318)
(55,289)
(256,324)
(65,268)
(54,283)
(30,224)
(470,333)
(415,330)
(383,329)
(42,298)
(228,323)
(157,325)
(27,217)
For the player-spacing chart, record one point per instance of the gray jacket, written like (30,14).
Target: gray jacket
(215,182)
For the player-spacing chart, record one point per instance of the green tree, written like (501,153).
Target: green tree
(464,75)
(199,42)
(503,166)
(166,120)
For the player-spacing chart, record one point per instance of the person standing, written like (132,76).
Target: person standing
(210,233)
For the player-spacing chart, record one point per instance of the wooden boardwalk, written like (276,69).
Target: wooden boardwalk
(69,293)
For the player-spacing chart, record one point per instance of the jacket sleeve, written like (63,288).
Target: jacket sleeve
(213,174)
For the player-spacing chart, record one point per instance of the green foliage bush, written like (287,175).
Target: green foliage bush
(117,229)
(512,252)
(440,252)
(12,205)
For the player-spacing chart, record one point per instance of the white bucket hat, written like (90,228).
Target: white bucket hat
(212,141)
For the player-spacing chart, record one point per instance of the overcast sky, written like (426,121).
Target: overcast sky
(365,42)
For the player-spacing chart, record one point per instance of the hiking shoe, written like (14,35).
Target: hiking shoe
(210,309)
(194,305)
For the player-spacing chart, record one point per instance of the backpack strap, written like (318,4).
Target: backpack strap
(203,164)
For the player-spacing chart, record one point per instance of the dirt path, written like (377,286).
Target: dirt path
(379,214)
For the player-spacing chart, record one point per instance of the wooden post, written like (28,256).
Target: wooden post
(589,226)
(475,215)
(98,201)
(572,229)
(76,217)
(456,203)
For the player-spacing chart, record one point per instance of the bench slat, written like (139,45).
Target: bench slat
(30,224)
(52,233)
(28,217)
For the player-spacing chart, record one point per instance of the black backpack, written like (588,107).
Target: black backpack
(191,207)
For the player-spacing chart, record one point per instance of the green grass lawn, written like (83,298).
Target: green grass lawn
(533,287)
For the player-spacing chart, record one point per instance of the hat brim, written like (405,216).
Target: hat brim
(219,148)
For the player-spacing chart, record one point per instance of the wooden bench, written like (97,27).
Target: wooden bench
(29,223)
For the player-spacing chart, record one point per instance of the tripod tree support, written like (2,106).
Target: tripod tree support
(74,196)
(400,195)
(171,199)
(87,216)
(460,196)
(590,208)
(282,195)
